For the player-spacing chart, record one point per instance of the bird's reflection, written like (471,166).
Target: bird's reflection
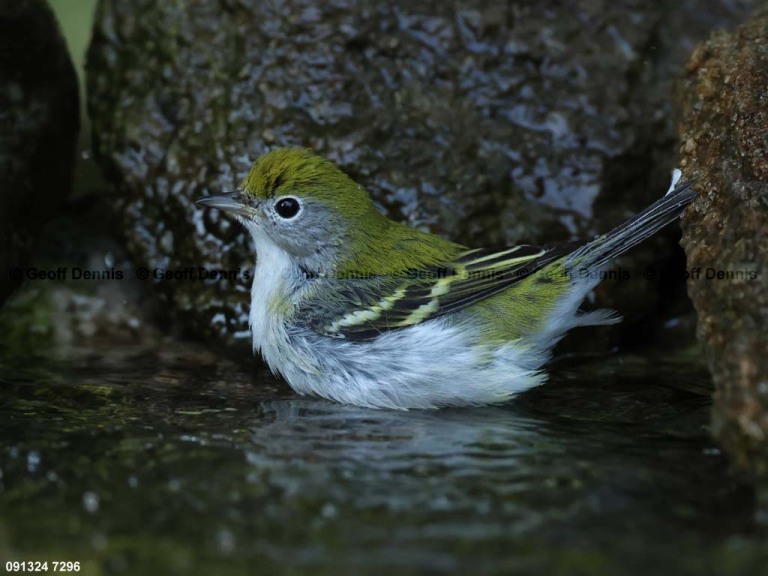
(296,428)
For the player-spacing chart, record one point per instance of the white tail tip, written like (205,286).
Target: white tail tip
(676,175)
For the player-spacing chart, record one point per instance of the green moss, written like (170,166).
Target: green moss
(26,323)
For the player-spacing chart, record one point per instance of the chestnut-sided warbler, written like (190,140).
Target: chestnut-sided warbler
(349,305)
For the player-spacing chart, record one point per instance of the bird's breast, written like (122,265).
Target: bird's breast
(271,300)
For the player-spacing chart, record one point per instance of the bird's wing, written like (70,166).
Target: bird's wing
(363,308)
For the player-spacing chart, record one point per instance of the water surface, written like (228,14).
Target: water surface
(179,462)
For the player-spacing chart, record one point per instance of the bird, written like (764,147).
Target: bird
(354,307)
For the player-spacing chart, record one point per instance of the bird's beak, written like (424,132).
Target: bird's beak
(227,202)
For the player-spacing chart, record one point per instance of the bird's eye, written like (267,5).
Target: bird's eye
(287,207)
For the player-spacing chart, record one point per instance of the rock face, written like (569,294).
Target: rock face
(489,122)
(39,123)
(723,104)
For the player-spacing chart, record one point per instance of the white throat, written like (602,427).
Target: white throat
(274,283)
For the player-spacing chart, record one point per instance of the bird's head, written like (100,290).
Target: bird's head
(319,216)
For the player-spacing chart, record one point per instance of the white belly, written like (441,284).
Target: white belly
(429,365)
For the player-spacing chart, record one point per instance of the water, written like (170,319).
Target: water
(174,461)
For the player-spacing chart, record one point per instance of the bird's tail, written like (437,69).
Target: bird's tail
(604,248)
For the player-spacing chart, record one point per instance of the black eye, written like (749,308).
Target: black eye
(287,207)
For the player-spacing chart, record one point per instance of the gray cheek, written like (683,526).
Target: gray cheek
(292,236)
(312,236)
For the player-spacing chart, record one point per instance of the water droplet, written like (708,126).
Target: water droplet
(33,461)
(91,502)
(328,510)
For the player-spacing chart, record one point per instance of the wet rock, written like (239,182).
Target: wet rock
(724,141)
(39,123)
(489,122)
(79,293)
